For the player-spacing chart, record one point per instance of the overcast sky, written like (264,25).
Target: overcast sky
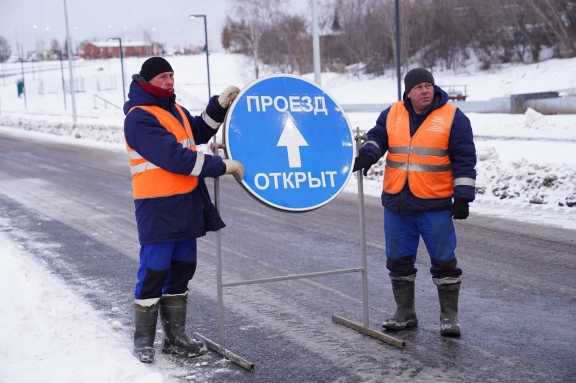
(26,21)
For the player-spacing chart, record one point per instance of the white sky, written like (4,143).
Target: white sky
(28,20)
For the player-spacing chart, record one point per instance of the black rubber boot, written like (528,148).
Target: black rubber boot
(173,313)
(405,316)
(145,318)
(448,296)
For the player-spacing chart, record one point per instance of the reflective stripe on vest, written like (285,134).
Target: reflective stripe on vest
(421,160)
(151,181)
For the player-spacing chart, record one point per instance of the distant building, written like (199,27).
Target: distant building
(108,49)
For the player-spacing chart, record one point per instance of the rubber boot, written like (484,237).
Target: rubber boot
(173,313)
(405,316)
(145,318)
(448,296)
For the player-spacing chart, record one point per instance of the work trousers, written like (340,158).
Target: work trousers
(165,268)
(402,233)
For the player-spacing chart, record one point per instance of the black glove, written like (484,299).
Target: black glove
(460,209)
(362,163)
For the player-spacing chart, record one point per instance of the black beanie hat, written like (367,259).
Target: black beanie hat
(153,67)
(416,76)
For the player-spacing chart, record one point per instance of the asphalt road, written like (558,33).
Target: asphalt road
(518,305)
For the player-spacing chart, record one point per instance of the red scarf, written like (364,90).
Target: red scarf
(156,91)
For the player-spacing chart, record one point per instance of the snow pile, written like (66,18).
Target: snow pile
(523,181)
(95,130)
(541,184)
(522,159)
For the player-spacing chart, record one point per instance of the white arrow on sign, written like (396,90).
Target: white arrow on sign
(292,139)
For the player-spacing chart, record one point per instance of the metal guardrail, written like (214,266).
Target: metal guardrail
(106,102)
(556,105)
(489,106)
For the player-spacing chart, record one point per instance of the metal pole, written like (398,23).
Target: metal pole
(119,39)
(63,81)
(398,74)
(316,45)
(70,68)
(122,68)
(207,58)
(364,258)
(219,284)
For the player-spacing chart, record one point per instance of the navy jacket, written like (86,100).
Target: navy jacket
(461,150)
(178,217)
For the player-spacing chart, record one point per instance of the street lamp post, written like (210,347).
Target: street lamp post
(397,17)
(63,81)
(70,68)
(204,17)
(119,39)
(316,45)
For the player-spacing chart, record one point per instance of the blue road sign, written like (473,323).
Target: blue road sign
(294,140)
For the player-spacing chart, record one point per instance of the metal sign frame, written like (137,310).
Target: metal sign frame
(363,328)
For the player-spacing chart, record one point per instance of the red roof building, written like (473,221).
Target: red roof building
(109,49)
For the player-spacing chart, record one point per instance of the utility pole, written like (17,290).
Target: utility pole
(316,45)
(204,17)
(398,71)
(70,68)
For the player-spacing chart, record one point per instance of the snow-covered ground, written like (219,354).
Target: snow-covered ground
(52,335)
(525,171)
(49,334)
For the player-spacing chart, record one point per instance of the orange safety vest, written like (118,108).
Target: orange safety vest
(421,160)
(151,181)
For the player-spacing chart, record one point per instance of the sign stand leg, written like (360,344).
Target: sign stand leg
(364,258)
(365,327)
(220,347)
(219,287)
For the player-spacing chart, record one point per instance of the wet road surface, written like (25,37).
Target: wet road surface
(517,308)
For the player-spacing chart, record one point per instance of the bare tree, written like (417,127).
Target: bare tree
(433,32)
(551,12)
(255,15)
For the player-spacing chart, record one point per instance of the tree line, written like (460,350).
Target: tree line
(361,34)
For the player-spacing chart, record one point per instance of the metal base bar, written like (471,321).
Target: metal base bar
(369,332)
(292,276)
(234,358)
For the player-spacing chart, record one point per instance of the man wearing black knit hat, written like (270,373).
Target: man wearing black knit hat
(172,203)
(429,180)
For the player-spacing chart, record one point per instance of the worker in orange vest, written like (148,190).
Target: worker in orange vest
(429,179)
(172,203)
